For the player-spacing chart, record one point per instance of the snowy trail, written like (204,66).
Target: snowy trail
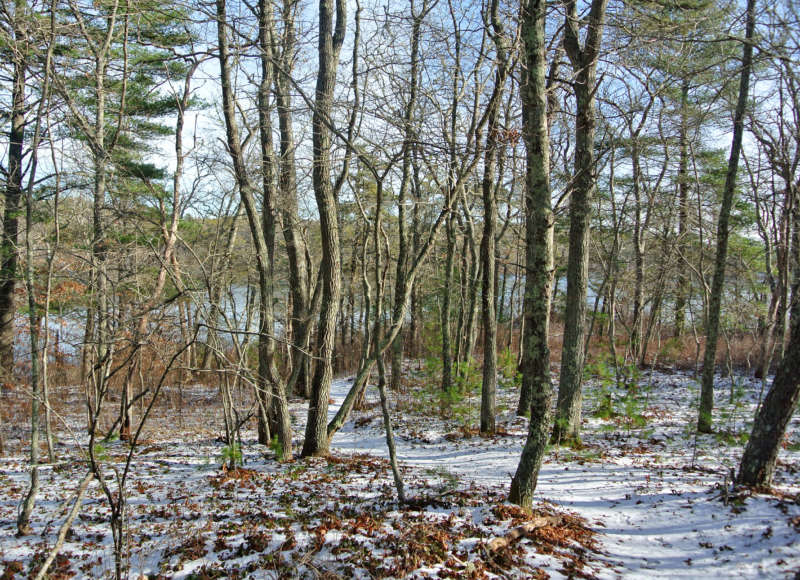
(651,492)
(654,520)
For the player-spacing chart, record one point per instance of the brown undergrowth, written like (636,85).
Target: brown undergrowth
(338,518)
(334,517)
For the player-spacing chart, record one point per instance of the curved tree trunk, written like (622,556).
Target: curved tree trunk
(760,455)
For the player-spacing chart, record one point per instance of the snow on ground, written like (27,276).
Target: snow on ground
(642,497)
(654,492)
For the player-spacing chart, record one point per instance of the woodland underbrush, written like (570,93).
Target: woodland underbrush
(198,507)
(201,506)
(179,397)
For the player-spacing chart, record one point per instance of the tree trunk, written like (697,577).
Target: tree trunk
(760,455)
(9,241)
(269,388)
(34,319)
(535,368)
(684,281)
(489,316)
(103,349)
(278,404)
(584,65)
(23,518)
(444,318)
(414,329)
(464,275)
(451,195)
(295,244)
(409,132)
(472,271)
(330,43)
(704,419)
(635,339)
(501,297)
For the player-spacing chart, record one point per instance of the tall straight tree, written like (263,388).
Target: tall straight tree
(704,419)
(296,250)
(584,181)
(489,191)
(18,47)
(683,289)
(269,387)
(22,44)
(331,38)
(539,222)
(451,194)
(278,409)
(409,135)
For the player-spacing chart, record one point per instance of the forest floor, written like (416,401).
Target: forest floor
(641,497)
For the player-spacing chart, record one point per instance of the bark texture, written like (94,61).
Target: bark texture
(539,220)
(296,250)
(488,304)
(269,388)
(704,418)
(584,182)
(761,454)
(9,252)
(331,37)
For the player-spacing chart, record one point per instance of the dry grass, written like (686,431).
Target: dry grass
(180,401)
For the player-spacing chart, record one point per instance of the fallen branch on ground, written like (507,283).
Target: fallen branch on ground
(62,533)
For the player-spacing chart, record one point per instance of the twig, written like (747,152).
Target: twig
(62,532)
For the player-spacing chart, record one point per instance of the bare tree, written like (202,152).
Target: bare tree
(539,221)
(704,417)
(269,386)
(19,46)
(494,140)
(296,248)
(410,136)
(584,65)
(331,38)
(760,456)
